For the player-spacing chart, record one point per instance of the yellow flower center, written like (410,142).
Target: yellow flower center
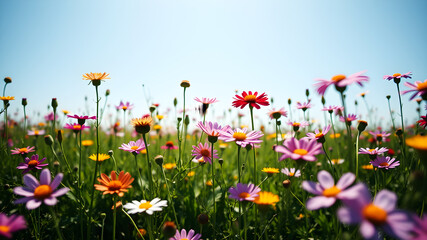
(184,238)
(291,174)
(43,191)
(134,147)
(76,127)
(201,160)
(146,205)
(239,136)
(384,164)
(371,150)
(300,151)
(244,195)
(422,86)
(124,107)
(319,135)
(36,132)
(338,77)
(374,214)
(397,75)
(33,163)
(21,150)
(250,98)
(331,192)
(296,124)
(4,229)
(205,153)
(114,185)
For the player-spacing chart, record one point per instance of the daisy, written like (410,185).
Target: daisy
(420,89)
(349,118)
(169,166)
(304,106)
(96,78)
(32,164)
(75,116)
(297,125)
(204,151)
(328,192)
(11,224)
(212,129)
(266,199)
(252,99)
(36,132)
(380,212)
(270,170)
(75,127)
(385,162)
(373,152)
(337,161)
(169,145)
(133,147)
(380,135)
(420,228)
(142,125)
(125,107)
(184,236)
(149,207)
(319,135)
(244,192)
(276,114)
(23,151)
(241,137)
(49,117)
(397,76)
(36,192)
(340,82)
(101,157)
(330,109)
(206,100)
(291,172)
(115,185)
(423,121)
(303,149)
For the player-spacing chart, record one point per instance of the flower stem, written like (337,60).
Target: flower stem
(55,219)
(114,218)
(169,197)
(391,115)
(136,227)
(139,173)
(150,177)
(253,129)
(213,187)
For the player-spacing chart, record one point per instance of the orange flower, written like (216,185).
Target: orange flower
(114,185)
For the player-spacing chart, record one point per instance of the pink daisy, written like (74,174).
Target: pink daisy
(31,164)
(36,132)
(204,151)
(385,162)
(124,106)
(303,149)
(373,152)
(420,89)
(75,127)
(206,100)
(276,114)
(244,192)
(11,224)
(291,172)
(212,129)
(169,145)
(133,147)
(304,106)
(349,118)
(380,135)
(397,76)
(330,109)
(23,151)
(241,137)
(340,82)
(319,135)
(184,236)
(420,228)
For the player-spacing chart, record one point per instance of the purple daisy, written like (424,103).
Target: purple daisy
(328,192)
(385,162)
(397,76)
(291,172)
(304,106)
(420,89)
(75,127)
(319,135)
(303,149)
(36,132)
(32,164)
(241,137)
(23,151)
(184,236)
(204,151)
(349,118)
(420,228)
(49,117)
(379,213)
(244,192)
(373,153)
(133,147)
(380,135)
(330,109)
(340,82)
(81,117)
(36,192)
(297,125)
(11,224)
(124,106)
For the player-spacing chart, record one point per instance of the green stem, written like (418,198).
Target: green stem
(136,227)
(357,154)
(150,177)
(213,187)
(114,218)
(55,219)
(391,115)
(253,129)
(139,173)
(169,197)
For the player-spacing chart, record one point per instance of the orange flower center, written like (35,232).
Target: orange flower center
(184,238)
(422,86)
(239,136)
(43,191)
(397,75)
(384,164)
(4,229)
(124,107)
(134,147)
(21,150)
(36,132)
(296,124)
(250,98)
(338,77)
(114,185)
(146,205)
(291,174)
(205,152)
(371,150)
(77,127)
(319,135)
(374,214)
(300,151)
(331,192)
(244,195)
(33,163)
(169,143)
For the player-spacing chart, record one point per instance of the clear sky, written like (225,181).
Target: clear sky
(277,47)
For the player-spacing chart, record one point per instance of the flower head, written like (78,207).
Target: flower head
(149,207)
(418,142)
(241,136)
(328,192)
(101,157)
(385,162)
(297,125)
(81,117)
(36,192)
(270,170)
(303,149)
(350,118)
(340,82)
(420,89)
(423,122)
(252,99)
(244,192)
(266,198)
(96,78)
(212,129)
(184,236)
(11,224)
(420,228)
(169,145)
(337,161)
(36,132)
(373,152)
(32,164)
(291,172)
(114,185)
(380,135)
(142,125)
(204,151)
(50,117)
(304,106)
(397,76)
(87,143)
(133,147)
(6,98)
(319,135)
(75,127)
(23,151)
(276,114)
(124,106)
(206,100)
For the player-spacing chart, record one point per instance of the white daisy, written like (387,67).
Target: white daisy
(291,172)
(337,161)
(146,206)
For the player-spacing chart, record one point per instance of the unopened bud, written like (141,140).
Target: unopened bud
(399,132)
(59,136)
(388,97)
(169,229)
(24,102)
(7,80)
(307,92)
(289,101)
(203,219)
(221,161)
(185,84)
(48,139)
(175,102)
(187,120)
(56,164)
(54,103)
(107,92)
(286,183)
(152,108)
(361,126)
(323,100)
(110,153)
(159,160)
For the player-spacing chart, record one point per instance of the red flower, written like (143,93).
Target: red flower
(423,121)
(252,99)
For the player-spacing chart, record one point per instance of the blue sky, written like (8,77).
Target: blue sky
(277,47)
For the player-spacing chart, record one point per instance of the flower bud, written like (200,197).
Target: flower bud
(48,139)
(110,153)
(107,92)
(203,219)
(307,92)
(388,97)
(185,84)
(289,101)
(186,120)
(286,183)
(7,80)
(221,161)
(152,108)
(159,160)
(169,229)
(56,164)
(175,102)
(361,126)
(54,103)
(142,232)
(59,136)
(24,102)
(323,100)
(399,132)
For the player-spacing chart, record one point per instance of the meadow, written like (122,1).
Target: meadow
(175,175)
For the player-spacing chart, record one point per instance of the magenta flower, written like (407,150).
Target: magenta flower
(36,192)
(303,149)
(81,117)
(420,228)
(420,89)
(49,117)
(291,172)
(36,132)
(11,224)
(276,114)
(380,135)
(169,145)
(133,147)
(398,76)
(244,192)
(125,107)
(340,82)
(319,135)
(379,213)
(241,137)
(184,236)
(32,164)
(206,100)
(328,192)
(304,106)
(373,152)
(385,162)
(204,151)
(212,129)
(423,121)
(23,150)
(349,118)
(330,109)
(298,125)
(75,127)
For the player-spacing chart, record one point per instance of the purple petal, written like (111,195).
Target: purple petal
(23,200)
(325,179)
(30,181)
(50,201)
(311,187)
(33,204)
(60,192)
(348,215)
(346,180)
(45,177)
(353,192)
(23,192)
(56,181)
(367,229)
(386,200)
(319,202)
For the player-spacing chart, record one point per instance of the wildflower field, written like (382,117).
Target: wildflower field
(86,176)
